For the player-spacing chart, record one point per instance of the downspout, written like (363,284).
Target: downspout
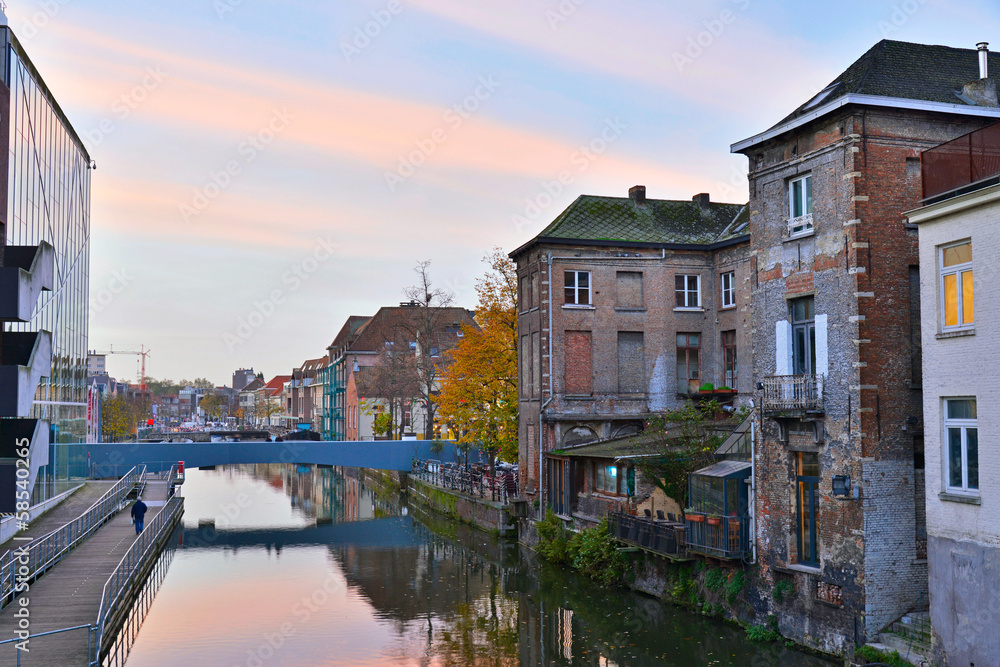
(753,491)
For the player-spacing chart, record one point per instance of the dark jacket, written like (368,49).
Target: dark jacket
(139,510)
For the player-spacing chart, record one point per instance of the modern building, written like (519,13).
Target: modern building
(97,364)
(44,264)
(958,235)
(647,300)
(835,275)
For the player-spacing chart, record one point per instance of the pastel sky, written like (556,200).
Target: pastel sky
(267,168)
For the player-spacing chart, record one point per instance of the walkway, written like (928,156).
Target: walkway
(63,513)
(70,593)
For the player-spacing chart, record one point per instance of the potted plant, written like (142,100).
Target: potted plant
(714,521)
(706,388)
(696,518)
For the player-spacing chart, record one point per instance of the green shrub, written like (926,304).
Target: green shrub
(761,633)
(553,540)
(714,579)
(595,553)
(735,586)
(782,589)
(874,655)
(708,386)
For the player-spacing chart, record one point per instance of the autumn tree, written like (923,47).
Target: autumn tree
(213,405)
(391,383)
(478,396)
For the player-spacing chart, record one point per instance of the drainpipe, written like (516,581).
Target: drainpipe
(753,492)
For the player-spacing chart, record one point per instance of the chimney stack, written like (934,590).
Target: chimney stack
(984,55)
(703,200)
(637,193)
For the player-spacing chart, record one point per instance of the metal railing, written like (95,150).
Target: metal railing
(474,480)
(666,538)
(793,392)
(122,581)
(18,640)
(961,162)
(25,563)
(721,536)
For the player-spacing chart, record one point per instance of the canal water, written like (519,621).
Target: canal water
(301,566)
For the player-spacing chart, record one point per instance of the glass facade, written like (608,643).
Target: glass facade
(48,199)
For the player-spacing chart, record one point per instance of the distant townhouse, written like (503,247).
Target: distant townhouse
(646,301)
(248,400)
(392,334)
(334,378)
(242,377)
(269,405)
(301,405)
(835,276)
(958,235)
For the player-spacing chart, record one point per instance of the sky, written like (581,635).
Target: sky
(268,168)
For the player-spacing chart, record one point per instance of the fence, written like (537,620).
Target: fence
(27,562)
(473,480)
(663,537)
(121,585)
(9,645)
(968,159)
(721,536)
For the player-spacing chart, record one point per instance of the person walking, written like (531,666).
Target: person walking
(138,514)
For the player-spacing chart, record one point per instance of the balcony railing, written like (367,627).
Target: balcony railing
(665,538)
(970,159)
(720,536)
(793,393)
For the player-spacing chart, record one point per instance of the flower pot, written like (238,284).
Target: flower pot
(714,521)
(696,518)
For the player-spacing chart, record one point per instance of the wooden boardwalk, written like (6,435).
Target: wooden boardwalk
(70,593)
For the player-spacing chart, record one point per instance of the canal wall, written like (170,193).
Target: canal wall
(484,514)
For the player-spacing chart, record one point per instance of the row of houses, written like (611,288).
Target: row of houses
(837,304)
(387,364)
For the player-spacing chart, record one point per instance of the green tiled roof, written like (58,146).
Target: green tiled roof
(908,71)
(654,221)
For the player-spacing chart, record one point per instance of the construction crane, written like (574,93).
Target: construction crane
(140,363)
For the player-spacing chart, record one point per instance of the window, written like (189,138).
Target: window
(728,290)
(729,358)
(688,362)
(577,287)
(614,479)
(628,289)
(631,378)
(688,291)
(806,483)
(956,286)
(962,438)
(803,314)
(800,205)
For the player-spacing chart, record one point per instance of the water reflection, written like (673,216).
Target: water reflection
(291,565)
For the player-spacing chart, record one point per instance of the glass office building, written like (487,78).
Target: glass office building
(47,198)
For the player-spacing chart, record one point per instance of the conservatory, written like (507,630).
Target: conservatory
(718,519)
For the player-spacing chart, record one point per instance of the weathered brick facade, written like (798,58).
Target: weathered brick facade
(578,385)
(856,265)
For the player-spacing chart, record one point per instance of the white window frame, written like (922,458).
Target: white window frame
(801,224)
(728,291)
(688,292)
(578,292)
(964,425)
(956,270)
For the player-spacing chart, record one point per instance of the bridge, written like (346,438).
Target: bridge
(109,459)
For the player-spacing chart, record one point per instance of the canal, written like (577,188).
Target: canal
(300,566)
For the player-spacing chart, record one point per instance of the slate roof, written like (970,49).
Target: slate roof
(909,71)
(655,221)
(347,333)
(394,323)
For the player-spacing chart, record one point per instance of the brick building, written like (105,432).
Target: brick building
(836,345)
(958,236)
(646,300)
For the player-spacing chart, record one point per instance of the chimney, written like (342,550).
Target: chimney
(984,56)
(637,193)
(703,200)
